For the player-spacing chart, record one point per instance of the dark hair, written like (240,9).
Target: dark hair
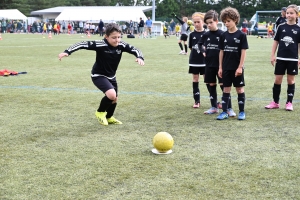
(211,14)
(230,13)
(112,27)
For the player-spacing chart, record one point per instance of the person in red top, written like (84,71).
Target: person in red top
(69,28)
(58,28)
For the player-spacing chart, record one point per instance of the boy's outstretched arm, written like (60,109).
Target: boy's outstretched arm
(140,61)
(61,55)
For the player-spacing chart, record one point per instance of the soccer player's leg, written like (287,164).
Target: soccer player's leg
(103,84)
(210,79)
(292,70)
(239,84)
(228,77)
(279,72)
(196,90)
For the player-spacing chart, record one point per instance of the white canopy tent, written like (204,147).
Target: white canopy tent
(12,14)
(107,14)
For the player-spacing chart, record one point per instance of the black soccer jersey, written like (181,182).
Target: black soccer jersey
(232,45)
(210,40)
(107,56)
(280,20)
(288,37)
(196,57)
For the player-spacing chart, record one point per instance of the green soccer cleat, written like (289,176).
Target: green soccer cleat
(101,116)
(113,120)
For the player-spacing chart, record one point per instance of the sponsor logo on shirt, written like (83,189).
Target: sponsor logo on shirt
(287,40)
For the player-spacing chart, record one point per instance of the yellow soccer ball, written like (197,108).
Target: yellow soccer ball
(163,142)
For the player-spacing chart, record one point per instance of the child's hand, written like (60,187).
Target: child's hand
(273,60)
(204,54)
(61,55)
(140,61)
(220,72)
(238,72)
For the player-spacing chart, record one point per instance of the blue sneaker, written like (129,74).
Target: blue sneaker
(242,116)
(222,115)
(230,112)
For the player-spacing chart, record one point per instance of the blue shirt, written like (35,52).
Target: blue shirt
(149,23)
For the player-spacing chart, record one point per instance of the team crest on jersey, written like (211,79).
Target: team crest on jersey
(118,51)
(217,38)
(287,40)
(237,40)
(295,32)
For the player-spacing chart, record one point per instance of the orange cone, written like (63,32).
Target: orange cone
(50,35)
(0,37)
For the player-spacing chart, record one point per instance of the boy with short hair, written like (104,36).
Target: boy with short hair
(233,44)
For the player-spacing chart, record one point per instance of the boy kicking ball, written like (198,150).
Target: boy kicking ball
(108,55)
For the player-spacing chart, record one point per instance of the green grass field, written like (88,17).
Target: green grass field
(52,146)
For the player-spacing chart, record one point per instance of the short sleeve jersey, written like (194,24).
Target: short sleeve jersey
(210,40)
(196,57)
(288,37)
(232,45)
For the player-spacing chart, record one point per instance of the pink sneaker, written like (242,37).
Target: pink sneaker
(272,105)
(289,106)
(196,105)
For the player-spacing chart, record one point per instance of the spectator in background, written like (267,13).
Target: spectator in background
(172,26)
(256,29)
(100,27)
(4,24)
(64,26)
(80,27)
(141,25)
(149,26)
(249,27)
(131,27)
(245,26)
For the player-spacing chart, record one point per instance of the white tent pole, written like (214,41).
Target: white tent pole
(153,10)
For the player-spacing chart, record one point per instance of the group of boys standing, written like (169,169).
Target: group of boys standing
(221,55)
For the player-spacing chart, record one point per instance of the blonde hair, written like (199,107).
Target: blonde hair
(198,14)
(296,9)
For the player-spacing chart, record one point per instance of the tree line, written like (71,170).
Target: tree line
(164,8)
